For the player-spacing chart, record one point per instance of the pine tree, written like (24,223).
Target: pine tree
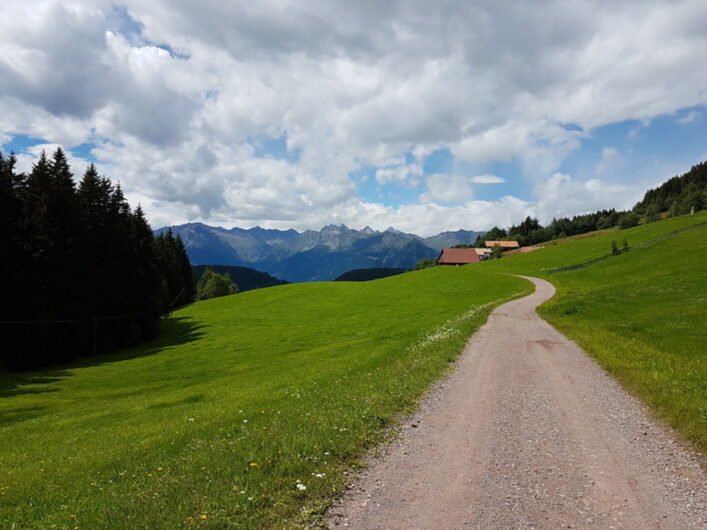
(186,270)
(147,287)
(13,260)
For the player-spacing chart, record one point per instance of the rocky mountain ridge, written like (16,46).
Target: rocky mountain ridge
(311,255)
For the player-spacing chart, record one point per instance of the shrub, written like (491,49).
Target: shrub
(212,285)
(628,220)
(496,252)
(424,263)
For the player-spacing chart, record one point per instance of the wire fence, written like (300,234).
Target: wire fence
(637,245)
(92,333)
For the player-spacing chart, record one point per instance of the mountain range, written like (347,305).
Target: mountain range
(311,255)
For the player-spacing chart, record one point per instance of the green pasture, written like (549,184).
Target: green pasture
(245,413)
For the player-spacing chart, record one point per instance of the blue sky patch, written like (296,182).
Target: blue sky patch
(269,147)
(20,143)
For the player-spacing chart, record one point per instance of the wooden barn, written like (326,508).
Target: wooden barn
(457,256)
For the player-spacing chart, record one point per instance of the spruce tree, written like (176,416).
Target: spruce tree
(146,289)
(186,270)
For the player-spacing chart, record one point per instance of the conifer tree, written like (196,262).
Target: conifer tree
(13,261)
(79,266)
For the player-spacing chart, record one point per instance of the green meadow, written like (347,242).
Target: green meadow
(248,410)
(642,314)
(245,413)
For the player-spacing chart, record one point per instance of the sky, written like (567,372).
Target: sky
(424,116)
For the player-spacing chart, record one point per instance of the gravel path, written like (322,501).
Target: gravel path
(528,432)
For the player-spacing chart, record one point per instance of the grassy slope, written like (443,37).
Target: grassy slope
(642,315)
(214,424)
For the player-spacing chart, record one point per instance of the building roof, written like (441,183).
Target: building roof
(503,244)
(457,256)
(482,251)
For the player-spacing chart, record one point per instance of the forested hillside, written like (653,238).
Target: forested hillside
(81,272)
(679,195)
(244,277)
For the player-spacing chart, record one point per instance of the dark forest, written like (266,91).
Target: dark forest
(81,272)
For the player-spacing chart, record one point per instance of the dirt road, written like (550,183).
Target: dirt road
(528,432)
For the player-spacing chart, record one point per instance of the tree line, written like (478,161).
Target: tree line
(81,272)
(531,232)
(678,196)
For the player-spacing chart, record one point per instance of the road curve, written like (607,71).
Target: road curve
(528,432)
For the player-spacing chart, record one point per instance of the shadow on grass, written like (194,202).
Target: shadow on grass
(173,332)
(20,414)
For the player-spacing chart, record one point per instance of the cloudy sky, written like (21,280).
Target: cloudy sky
(426,116)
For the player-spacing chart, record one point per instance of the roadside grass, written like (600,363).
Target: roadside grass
(245,413)
(642,315)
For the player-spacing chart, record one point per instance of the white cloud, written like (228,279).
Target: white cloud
(608,153)
(609,158)
(422,219)
(689,117)
(172,95)
(453,189)
(563,196)
(487,179)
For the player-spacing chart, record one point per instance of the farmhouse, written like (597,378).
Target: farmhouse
(503,244)
(483,253)
(457,256)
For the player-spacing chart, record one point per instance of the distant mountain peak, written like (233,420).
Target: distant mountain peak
(335,228)
(311,255)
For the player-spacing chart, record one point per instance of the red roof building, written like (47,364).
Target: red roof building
(503,244)
(457,256)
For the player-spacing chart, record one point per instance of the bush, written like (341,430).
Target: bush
(425,263)
(628,220)
(212,285)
